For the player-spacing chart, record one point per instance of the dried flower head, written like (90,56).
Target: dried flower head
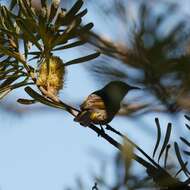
(51,75)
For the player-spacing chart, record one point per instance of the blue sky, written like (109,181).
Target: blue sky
(47,150)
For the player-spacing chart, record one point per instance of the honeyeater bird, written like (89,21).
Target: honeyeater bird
(101,106)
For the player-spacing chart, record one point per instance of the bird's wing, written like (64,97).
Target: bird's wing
(92,102)
(83,118)
(88,116)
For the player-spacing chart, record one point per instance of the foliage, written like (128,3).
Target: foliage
(41,32)
(30,36)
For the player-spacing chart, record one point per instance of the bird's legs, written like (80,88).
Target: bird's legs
(102,131)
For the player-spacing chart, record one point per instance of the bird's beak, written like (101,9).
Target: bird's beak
(134,88)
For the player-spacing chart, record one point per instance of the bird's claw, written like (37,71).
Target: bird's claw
(108,127)
(102,131)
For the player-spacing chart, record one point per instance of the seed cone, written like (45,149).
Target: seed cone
(51,75)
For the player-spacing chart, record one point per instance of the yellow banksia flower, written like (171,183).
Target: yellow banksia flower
(51,75)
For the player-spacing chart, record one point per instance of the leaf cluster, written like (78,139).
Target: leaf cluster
(29,35)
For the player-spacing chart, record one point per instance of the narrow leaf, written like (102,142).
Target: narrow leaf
(71,45)
(13,4)
(82,13)
(166,155)
(9,81)
(180,160)
(166,140)
(53,10)
(4,93)
(71,13)
(43,100)
(25,101)
(85,29)
(185,141)
(83,59)
(180,170)
(158,136)
(186,152)
(188,127)
(187,117)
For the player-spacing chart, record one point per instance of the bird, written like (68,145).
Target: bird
(101,106)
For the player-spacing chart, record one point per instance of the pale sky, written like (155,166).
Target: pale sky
(46,150)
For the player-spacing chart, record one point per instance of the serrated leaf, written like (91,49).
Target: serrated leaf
(180,160)
(158,136)
(166,140)
(82,59)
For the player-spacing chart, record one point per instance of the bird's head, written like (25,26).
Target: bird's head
(118,89)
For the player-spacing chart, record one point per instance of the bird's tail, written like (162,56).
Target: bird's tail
(83,118)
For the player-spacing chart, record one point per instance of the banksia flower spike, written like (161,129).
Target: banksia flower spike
(51,75)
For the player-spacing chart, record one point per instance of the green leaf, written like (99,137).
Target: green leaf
(180,160)
(43,100)
(187,117)
(11,53)
(83,59)
(85,29)
(67,34)
(186,152)
(26,101)
(4,93)
(166,140)
(158,136)
(13,4)
(71,13)
(188,127)
(185,141)
(82,13)
(180,170)
(47,102)
(53,11)
(60,18)
(71,45)
(166,155)
(9,81)
(44,3)
(27,32)
(27,6)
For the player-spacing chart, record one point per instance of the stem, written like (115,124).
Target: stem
(108,127)
(119,146)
